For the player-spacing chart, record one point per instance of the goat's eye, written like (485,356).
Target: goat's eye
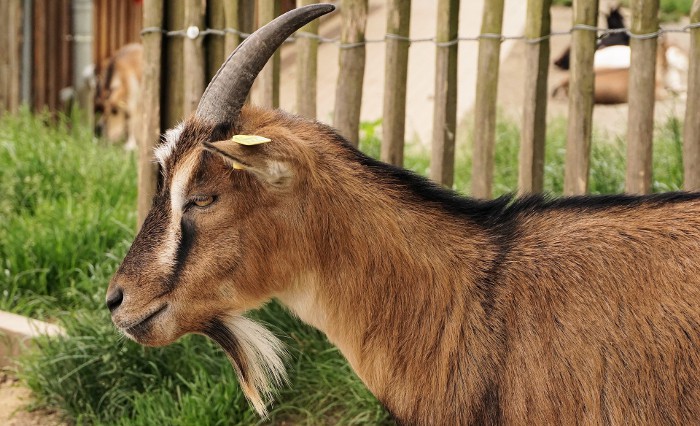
(202,200)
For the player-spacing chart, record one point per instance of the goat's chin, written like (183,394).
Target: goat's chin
(255,354)
(149,341)
(157,329)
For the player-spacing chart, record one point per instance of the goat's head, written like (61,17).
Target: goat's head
(111,102)
(193,268)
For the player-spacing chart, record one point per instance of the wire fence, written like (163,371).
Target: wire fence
(194,32)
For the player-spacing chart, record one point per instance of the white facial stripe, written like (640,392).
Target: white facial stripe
(165,149)
(178,198)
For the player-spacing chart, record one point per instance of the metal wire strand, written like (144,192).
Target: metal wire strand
(601,32)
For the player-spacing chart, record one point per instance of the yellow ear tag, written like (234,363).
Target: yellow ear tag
(249,140)
(237,166)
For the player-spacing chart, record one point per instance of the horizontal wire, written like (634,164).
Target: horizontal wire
(194,32)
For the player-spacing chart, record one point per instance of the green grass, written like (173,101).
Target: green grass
(67,220)
(68,213)
(97,377)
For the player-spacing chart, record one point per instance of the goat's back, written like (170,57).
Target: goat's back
(600,306)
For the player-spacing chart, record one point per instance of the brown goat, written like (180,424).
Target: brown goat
(118,94)
(610,87)
(451,310)
(611,68)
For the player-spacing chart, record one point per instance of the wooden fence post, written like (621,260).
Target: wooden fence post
(270,75)
(173,98)
(246,15)
(486,95)
(216,44)
(10,59)
(193,56)
(532,139)
(580,125)
(307,66)
(691,126)
(442,162)
(149,130)
(398,22)
(348,92)
(231,20)
(39,79)
(642,88)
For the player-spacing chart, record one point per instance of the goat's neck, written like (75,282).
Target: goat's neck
(390,278)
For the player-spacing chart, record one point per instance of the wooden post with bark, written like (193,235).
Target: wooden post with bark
(348,92)
(173,98)
(642,91)
(580,125)
(10,61)
(395,75)
(445,112)
(150,100)
(270,75)
(215,44)
(691,126)
(531,166)
(193,56)
(232,21)
(486,96)
(307,66)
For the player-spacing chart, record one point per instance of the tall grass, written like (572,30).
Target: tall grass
(96,377)
(67,210)
(67,219)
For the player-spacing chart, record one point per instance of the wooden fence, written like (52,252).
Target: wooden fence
(115,23)
(50,46)
(350,80)
(191,62)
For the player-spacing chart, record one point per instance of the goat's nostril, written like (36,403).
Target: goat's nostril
(114,299)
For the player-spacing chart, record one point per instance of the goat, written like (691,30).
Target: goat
(615,21)
(611,68)
(451,310)
(117,96)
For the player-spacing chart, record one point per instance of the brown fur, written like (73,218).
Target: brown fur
(117,96)
(451,311)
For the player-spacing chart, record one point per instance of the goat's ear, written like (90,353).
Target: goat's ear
(254,158)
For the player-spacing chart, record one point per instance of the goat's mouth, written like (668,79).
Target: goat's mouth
(141,327)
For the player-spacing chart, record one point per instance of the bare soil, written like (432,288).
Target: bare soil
(15,405)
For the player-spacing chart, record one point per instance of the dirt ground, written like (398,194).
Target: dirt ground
(14,402)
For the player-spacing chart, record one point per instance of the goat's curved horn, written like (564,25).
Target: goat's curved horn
(227,91)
